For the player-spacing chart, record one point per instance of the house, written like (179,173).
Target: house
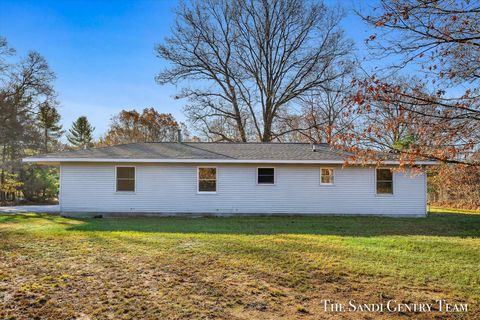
(232,178)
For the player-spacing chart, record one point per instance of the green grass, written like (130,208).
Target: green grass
(237,267)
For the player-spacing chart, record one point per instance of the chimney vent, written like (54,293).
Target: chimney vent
(179,135)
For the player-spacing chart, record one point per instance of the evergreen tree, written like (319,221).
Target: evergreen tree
(48,121)
(80,135)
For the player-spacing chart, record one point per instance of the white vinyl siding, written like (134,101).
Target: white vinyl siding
(173,188)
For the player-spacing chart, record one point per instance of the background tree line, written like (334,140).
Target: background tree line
(30,124)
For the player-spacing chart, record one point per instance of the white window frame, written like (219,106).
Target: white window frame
(274,176)
(134,177)
(198,180)
(333,176)
(384,194)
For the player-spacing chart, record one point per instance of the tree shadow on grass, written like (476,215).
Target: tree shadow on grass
(6,217)
(438,224)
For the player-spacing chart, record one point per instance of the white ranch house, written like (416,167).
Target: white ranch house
(231,179)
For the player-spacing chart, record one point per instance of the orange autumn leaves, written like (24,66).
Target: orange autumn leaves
(130,126)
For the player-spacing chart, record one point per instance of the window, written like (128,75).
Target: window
(384,181)
(326,176)
(126,179)
(265,175)
(207,179)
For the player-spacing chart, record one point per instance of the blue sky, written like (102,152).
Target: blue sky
(102,52)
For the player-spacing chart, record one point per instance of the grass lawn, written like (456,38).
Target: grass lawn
(234,268)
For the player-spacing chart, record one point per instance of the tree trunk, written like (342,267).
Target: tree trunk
(267,131)
(2,175)
(46,140)
(241,129)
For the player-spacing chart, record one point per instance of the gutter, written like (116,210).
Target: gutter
(130,160)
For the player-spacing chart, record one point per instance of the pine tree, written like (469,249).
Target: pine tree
(80,135)
(48,121)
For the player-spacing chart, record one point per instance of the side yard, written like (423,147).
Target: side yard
(234,268)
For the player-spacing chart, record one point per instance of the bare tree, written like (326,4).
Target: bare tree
(388,123)
(442,38)
(325,113)
(258,58)
(24,86)
(201,48)
(5,51)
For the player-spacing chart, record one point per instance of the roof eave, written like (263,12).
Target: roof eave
(54,161)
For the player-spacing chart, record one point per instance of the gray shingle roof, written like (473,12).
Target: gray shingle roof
(204,151)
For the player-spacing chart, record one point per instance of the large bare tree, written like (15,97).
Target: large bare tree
(243,63)
(324,113)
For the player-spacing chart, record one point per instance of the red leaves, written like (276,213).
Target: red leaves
(405,13)
(358,98)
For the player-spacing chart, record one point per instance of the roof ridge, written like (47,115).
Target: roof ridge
(115,145)
(204,142)
(212,152)
(224,142)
